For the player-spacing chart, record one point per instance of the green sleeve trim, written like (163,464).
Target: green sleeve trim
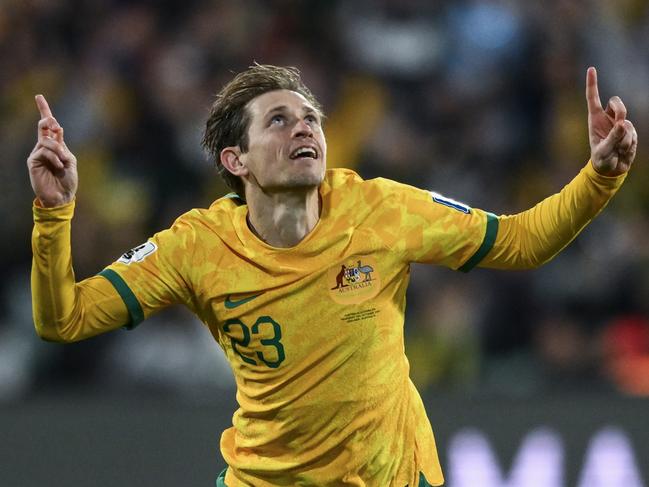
(131,302)
(220,480)
(485,247)
(422,480)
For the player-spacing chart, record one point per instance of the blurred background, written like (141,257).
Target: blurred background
(530,378)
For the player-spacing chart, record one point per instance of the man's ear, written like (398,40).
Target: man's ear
(230,158)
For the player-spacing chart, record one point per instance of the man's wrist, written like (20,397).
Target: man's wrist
(55,203)
(603,179)
(64,211)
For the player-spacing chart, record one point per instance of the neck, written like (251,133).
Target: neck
(283,219)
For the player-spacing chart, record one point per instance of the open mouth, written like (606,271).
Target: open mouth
(304,153)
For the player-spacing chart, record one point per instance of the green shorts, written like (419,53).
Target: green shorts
(220,480)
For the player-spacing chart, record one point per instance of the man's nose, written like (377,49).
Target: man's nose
(302,129)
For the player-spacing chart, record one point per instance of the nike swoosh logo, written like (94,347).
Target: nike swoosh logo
(230,304)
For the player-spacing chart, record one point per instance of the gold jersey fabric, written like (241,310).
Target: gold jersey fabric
(313,333)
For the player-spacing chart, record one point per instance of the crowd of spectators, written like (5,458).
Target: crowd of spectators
(481,100)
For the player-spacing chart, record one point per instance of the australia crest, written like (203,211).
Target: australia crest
(354,281)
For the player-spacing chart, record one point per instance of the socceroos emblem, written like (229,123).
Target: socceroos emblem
(355,281)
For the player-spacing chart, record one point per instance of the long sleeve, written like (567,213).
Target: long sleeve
(533,237)
(66,311)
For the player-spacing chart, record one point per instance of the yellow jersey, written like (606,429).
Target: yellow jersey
(313,333)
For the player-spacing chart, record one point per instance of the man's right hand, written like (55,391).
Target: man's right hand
(52,167)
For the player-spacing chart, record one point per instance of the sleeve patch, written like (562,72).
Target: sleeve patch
(456,205)
(138,254)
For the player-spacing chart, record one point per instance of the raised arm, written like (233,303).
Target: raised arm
(63,310)
(535,236)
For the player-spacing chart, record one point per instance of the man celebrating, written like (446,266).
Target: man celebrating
(300,275)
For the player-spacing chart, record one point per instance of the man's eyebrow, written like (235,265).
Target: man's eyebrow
(279,108)
(282,108)
(309,109)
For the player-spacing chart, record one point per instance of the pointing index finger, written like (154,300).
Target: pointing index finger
(43,107)
(592,93)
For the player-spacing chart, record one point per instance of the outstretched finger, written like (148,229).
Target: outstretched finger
(592,92)
(43,106)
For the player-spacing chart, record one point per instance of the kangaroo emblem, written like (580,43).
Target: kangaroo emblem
(339,278)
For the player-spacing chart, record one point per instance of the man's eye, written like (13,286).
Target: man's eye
(311,119)
(277,119)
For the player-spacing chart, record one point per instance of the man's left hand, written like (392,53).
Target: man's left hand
(613,138)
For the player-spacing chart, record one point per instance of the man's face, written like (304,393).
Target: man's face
(286,145)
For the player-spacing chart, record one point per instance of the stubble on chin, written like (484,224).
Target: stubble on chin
(305,179)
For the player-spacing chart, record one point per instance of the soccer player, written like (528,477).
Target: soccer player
(300,275)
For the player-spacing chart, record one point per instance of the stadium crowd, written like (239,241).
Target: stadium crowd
(481,100)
